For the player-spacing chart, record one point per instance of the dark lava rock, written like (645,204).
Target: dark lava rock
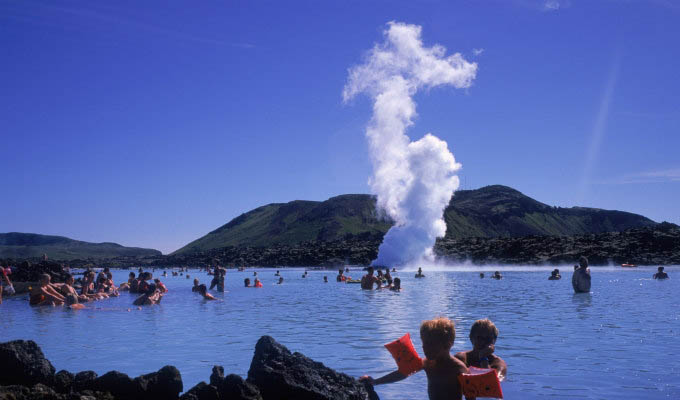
(23,363)
(233,386)
(280,374)
(202,391)
(28,272)
(164,384)
(63,381)
(120,385)
(84,380)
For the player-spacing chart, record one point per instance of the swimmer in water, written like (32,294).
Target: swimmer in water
(160,286)
(483,335)
(420,273)
(497,275)
(660,274)
(441,368)
(368,280)
(258,284)
(203,290)
(396,286)
(580,280)
(340,277)
(246,282)
(555,275)
(481,275)
(277,273)
(280,280)
(196,285)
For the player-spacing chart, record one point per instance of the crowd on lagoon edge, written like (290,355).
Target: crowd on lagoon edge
(97,286)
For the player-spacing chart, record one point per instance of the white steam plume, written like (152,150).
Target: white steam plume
(413,181)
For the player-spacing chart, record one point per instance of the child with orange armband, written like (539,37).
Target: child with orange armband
(483,335)
(441,368)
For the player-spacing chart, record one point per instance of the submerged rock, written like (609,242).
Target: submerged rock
(23,363)
(280,375)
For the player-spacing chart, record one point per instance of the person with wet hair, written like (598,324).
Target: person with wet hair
(555,275)
(396,286)
(150,297)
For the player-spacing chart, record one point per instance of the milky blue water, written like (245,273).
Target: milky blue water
(619,341)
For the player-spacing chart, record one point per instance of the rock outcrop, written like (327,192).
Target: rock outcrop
(282,375)
(275,373)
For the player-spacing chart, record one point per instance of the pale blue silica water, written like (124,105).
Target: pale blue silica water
(620,341)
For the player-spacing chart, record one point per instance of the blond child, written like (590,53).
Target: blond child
(441,368)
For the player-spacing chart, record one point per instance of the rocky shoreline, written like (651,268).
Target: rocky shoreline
(658,245)
(275,374)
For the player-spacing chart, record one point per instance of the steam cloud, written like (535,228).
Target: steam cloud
(413,181)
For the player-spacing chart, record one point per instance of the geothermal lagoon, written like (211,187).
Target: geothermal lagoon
(619,341)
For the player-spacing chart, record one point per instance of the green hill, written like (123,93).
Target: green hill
(492,211)
(29,245)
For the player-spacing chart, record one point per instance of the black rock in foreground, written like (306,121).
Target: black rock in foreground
(281,375)
(275,373)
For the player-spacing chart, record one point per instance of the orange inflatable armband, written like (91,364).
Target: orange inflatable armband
(406,356)
(481,382)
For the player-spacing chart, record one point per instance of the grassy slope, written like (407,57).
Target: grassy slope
(487,212)
(28,245)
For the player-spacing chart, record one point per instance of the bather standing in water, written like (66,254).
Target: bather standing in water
(580,281)
(555,275)
(660,274)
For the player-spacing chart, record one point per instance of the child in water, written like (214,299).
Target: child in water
(483,335)
(396,286)
(441,368)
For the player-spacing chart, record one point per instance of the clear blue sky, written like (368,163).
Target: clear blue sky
(151,123)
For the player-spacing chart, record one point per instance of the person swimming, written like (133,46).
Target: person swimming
(555,275)
(246,282)
(580,280)
(160,286)
(258,284)
(368,280)
(481,275)
(341,277)
(497,275)
(280,280)
(396,286)
(325,279)
(277,273)
(203,291)
(660,274)
(196,285)
(420,273)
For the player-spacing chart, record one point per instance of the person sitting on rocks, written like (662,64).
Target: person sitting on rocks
(204,292)
(555,275)
(441,368)
(483,335)
(660,274)
(396,286)
(341,277)
(196,285)
(420,273)
(580,280)
(246,282)
(150,297)
(497,275)
(368,280)
(45,294)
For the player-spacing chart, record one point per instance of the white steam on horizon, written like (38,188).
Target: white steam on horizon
(413,181)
